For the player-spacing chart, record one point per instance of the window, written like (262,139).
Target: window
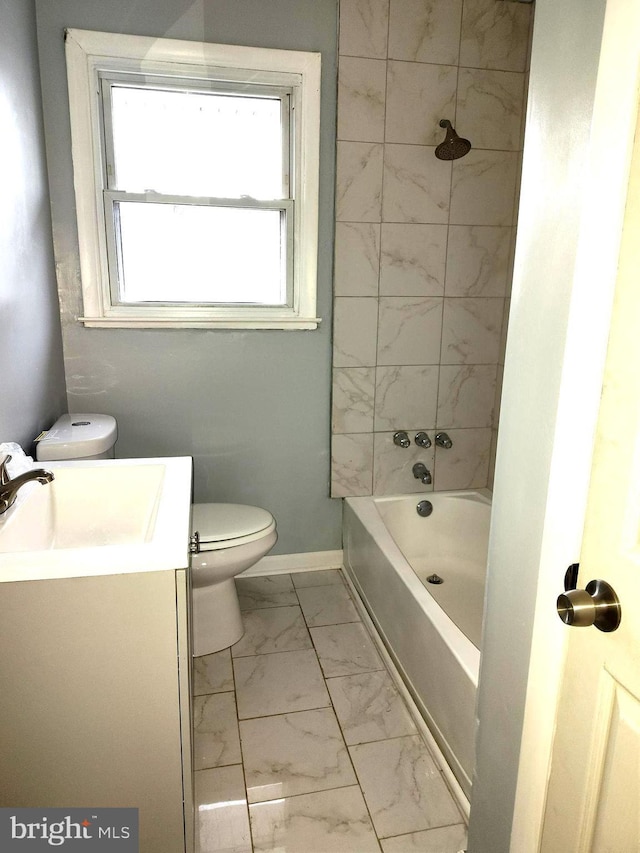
(196,178)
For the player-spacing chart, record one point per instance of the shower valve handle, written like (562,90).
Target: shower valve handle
(443,440)
(401,439)
(422,440)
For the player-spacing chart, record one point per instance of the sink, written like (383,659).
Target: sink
(85,508)
(115,515)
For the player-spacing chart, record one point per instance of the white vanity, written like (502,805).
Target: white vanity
(95,644)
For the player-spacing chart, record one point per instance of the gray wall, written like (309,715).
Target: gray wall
(564,65)
(251,407)
(32,391)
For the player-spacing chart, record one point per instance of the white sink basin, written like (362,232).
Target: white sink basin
(108,515)
(85,508)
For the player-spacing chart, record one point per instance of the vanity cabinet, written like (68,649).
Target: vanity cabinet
(95,698)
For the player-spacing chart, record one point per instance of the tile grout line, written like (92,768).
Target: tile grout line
(335,716)
(242,763)
(344,740)
(331,706)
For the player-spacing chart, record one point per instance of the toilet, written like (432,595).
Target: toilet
(226,539)
(78,436)
(229,538)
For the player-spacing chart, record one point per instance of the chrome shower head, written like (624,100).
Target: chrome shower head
(454,146)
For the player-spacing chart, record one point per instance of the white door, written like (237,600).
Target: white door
(593,799)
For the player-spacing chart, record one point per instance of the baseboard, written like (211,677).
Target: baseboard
(284,564)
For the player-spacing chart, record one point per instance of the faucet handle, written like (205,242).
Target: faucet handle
(4,474)
(401,439)
(443,440)
(423,440)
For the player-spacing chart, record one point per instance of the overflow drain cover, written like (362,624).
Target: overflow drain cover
(435,579)
(424,508)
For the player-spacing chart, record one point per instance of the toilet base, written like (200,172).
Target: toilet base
(217,622)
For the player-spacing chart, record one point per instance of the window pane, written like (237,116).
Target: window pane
(197,143)
(189,253)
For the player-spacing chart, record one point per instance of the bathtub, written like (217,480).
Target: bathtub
(432,632)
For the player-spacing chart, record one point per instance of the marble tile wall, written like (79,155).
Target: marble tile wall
(423,246)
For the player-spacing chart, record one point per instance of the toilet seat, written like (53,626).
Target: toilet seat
(229,525)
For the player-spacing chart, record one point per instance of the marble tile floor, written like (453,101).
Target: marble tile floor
(302,742)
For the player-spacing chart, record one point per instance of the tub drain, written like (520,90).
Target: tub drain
(435,579)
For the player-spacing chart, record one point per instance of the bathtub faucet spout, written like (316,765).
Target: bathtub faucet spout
(422,473)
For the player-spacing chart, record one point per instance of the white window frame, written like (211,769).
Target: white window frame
(90,53)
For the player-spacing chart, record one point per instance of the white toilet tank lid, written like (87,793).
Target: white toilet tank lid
(220,522)
(77,434)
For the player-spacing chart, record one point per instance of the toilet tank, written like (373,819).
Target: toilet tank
(78,436)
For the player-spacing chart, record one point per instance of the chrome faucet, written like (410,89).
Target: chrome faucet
(401,439)
(9,488)
(423,440)
(422,473)
(443,440)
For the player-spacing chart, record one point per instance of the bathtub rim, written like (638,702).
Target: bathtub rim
(465,652)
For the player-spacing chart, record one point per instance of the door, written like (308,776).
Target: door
(593,798)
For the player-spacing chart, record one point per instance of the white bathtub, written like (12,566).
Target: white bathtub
(432,632)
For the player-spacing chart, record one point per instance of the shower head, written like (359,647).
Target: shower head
(454,146)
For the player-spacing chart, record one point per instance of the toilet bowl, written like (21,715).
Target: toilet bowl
(227,539)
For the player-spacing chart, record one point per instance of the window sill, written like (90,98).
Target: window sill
(142,322)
